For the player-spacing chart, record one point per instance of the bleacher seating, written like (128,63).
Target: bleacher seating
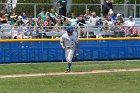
(89,30)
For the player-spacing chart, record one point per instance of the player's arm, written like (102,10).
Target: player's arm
(62,42)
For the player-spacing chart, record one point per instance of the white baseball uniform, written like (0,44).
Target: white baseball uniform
(70,43)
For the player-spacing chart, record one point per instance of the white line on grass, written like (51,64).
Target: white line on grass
(71,73)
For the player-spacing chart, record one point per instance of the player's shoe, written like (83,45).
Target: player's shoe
(67,71)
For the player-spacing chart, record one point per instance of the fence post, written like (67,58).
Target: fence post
(34,10)
(135,11)
(86,8)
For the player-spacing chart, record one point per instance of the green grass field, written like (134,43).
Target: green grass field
(120,82)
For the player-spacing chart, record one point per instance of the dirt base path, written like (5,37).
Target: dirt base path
(71,73)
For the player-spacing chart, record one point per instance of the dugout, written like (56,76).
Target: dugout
(49,50)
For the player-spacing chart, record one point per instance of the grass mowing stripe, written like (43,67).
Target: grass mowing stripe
(124,82)
(60,67)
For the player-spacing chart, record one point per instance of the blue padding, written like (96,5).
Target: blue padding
(51,51)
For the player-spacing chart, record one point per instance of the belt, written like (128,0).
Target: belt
(69,47)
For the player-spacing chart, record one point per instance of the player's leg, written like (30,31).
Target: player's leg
(70,53)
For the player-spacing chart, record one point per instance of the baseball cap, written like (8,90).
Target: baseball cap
(118,14)
(69,28)
(19,16)
(130,17)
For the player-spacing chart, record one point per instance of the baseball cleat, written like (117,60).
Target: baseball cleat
(67,71)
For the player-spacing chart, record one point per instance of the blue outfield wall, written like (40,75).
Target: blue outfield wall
(51,51)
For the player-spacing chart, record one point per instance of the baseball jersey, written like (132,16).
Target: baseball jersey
(69,41)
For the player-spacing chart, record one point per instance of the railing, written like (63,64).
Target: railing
(11,32)
(35,8)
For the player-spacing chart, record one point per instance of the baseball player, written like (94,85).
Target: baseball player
(69,42)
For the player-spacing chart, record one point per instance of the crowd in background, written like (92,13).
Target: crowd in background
(50,21)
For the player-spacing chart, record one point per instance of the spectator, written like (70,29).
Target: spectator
(105,29)
(112,16)
(13,18)
(87,15)
(25,33)
(118,30)
(24,17)
(130,22)
(93,19)
(3,19)
(31,21)
(81,21)
(73,20)
(43,14)
(66,23)
(119,18)
(53,14)
(134,32)
(62,4)
(48,15)
(99,22)
(81,24)
(108,20)
(129,25)
(39,21)
(19,22)
(57,25)
(48,23)
(14,32)
(106,7)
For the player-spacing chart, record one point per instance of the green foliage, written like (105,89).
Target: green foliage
(29,8)
(2,6)
(81,9)
(86,1)
(130,1)
(33,1)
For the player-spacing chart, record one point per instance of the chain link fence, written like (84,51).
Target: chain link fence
(33,9)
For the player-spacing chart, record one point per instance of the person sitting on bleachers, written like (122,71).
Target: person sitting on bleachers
(14,32)
(99,22)
(3,19)
(112,16)
(108,20)
(13,18)
(134,32)
(118,30)
(93,19)
(73,20)
(130,22)
(81,25)
(24,17)
(19,22)
(119,19)
(105,30)
(31,21)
